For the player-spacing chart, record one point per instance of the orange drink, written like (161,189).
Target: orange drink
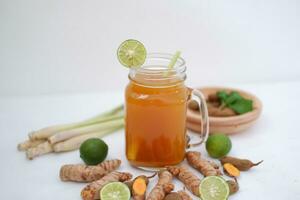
(155,113)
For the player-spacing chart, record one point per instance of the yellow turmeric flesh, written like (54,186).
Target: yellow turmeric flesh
(205,167)
(83,173)
(139,186)
(163,187)
(190,180)
(91,191)
(231,170)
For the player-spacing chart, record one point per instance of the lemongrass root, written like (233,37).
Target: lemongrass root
(75,142)
(29,144)
(47,132)
(65,135)
(39,150)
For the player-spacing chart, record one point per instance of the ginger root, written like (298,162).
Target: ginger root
(163,187)
(91,191)
(241,164)
(190,180)
(83,173)
(203,166)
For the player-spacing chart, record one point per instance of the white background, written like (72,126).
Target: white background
(58,65)
(69,46)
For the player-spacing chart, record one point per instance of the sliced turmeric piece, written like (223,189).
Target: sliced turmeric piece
(231,170)
(138,186)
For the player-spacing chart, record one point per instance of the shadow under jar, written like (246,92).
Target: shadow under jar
(155,113)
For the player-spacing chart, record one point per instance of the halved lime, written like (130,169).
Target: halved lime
(214,188)
(131,53)
(115,191)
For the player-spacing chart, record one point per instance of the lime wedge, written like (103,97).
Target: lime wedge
(213,188)
(131,53)
(115,191)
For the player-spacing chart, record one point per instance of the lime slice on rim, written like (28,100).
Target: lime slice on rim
(131,53)
(214,188)
(115,191)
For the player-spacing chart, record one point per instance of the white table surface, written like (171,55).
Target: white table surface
(274,138)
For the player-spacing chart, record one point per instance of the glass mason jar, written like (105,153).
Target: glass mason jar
(155,113)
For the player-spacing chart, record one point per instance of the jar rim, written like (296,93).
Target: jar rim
(156,68)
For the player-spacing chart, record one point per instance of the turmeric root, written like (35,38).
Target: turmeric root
(190,180)
(29,144)
(231,170)
(39,150)
(173,196)
(83,173)
(91,191)
(162,187)
(233,186)
(219,112)
(203,166)
(138,186)
(241,164)
(184,195)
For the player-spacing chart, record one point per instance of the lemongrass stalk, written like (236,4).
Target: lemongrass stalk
(75,142)
(119,109)
(64,135)
(29,144)
(47,132)
(39,150)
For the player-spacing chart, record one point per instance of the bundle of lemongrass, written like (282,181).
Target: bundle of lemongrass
(68,137)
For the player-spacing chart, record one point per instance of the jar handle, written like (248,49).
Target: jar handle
(197,96)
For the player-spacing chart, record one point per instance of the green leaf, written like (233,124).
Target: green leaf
(222,95)
(242,106)
(233,97)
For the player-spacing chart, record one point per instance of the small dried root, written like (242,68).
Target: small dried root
(241,164)
(233,186)
(29,144)
(39,150)
(190,180)
(83,173)
(207,168)
(163,187)
(91,191)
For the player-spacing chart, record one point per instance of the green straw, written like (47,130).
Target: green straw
(174,60)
